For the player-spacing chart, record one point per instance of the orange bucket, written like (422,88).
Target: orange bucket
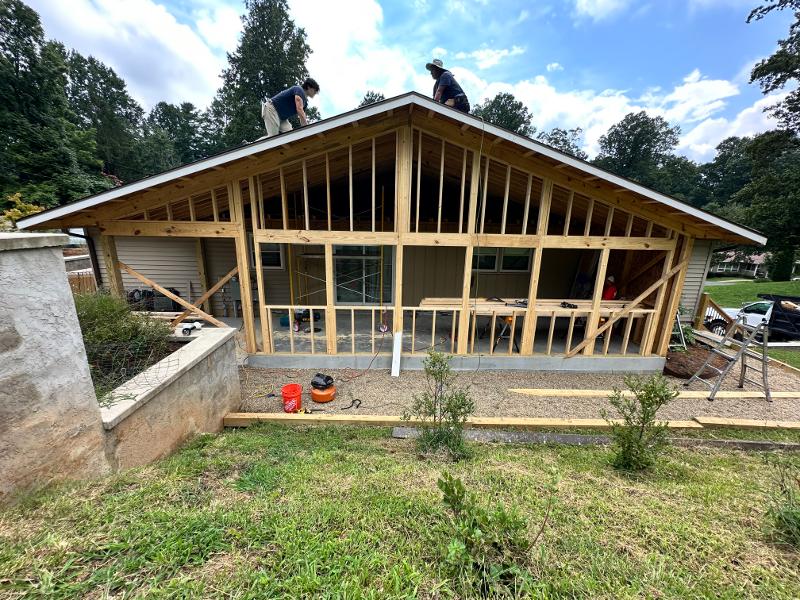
(323,396)
(292,393)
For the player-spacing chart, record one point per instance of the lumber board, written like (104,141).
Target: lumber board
(168,229)
(746,423)
(206,296)
(682,394)
(109,249)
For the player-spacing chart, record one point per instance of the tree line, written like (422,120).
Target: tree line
(70,128)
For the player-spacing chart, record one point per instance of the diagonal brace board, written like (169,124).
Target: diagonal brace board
(206,296)
(624,312)
(170,295)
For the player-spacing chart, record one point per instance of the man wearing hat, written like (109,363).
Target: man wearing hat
(446,90)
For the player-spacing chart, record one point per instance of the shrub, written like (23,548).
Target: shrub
(783,508)
(443,409)
(488,545)
(639,438)
(119,344)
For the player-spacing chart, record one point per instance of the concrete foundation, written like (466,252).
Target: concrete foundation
(595,364)
(187,393)
(50,426)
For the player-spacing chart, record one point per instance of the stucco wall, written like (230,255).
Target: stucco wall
(186,394)
(50,426)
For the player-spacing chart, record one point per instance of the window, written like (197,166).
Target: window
(271,256)
(484,259)
(516,259)
(759,308)
(359,272)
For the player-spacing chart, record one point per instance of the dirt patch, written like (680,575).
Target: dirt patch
(685,364)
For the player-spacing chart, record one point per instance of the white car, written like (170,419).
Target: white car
(784,324)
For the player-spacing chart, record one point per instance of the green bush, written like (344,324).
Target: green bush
(119,344)
(443,409)
(639,438)
(490,547)
(783,508)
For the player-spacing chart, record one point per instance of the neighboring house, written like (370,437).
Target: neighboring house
(411,218)
(733,263)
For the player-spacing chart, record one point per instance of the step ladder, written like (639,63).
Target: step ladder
(751,336)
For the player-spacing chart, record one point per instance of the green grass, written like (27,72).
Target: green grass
(272,512)
(790,357)
(733,295)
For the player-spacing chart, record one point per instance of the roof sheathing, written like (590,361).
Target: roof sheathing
(406,101)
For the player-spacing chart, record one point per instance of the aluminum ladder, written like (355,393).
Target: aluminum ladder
(751,336)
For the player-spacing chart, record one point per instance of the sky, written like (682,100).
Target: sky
(574,63)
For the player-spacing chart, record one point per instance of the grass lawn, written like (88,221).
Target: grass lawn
(790,357)
(272,512)
(733,295)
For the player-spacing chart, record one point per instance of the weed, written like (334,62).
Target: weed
(443,409)
(639,438)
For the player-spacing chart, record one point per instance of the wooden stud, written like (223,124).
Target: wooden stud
(433,329)
(284,203)
(472,334)
(677,289)
(529,327)
(419,177)
(463,325)
(568,214)
(352,330)
(607,340)
(649,231)
(214,207)
(587,227)
(108,246)
(413,328)
(463,192)
(570,330)
(609,221)
(594,315)
(372,328)
(647,343)
(485,192)
(627,335)
(505,200)
(259,279)
(244,268)
(169,211)
(305,199)
(192,213)
(330,301)
(373,184)
(168,229)
(255,220)
(629,225)
(441,191)
(527,210)
(550,332)
(475,177)
(260,202)
(491,336)
(512,332)
(311,329)
(328,189)
(350,181)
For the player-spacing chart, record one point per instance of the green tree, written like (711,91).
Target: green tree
(270,57)
(44,155)
(505,111)
(782,68)
(99,100)
(566,140)
(182,125)
(726,174)
(637,147)
(371,97)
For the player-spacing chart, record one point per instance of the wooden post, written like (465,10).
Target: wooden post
(202,271)
(109,248)
(652,330)
(350,181)
(594,316)
(505,200)
(463,186)
(441,191)
(403,220)
(702,308)
(527,205)
(305,199)
(485,191)
(262,308)
(587,227)
(330,302)
(373,185)
(214,206)
(243,262)
(284,202)
(419,178)
(568,215)
(473,193)
(328,188)
(529,327)
(463,318)
(677,289)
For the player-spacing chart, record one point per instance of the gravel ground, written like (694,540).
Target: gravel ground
(380,394)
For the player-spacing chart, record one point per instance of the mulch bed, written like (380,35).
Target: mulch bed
(685,364)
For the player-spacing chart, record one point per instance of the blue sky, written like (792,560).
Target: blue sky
(575,63)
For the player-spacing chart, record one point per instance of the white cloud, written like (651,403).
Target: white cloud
(438,52)
(597,10)
(486,58)
(159,57)
(554,66)
(220,26)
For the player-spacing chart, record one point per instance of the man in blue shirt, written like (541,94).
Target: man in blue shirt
(292,101)
(446,90)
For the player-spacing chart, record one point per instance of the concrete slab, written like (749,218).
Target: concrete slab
(25,241)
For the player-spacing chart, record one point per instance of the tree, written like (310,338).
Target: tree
(45,156)
(637,147)
(566,140)
(182,126)
(371,98)
(504,110)
(99,100)
(270,57)
(783,67)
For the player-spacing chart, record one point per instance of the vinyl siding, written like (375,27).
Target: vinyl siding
(696,274)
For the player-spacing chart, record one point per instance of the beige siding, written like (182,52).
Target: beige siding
(696,274)
(170,262)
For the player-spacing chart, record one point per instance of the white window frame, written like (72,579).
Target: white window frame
(263,266)
(496,260)
(525,270)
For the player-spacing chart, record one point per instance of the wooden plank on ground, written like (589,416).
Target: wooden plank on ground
(746,423)
(684,394)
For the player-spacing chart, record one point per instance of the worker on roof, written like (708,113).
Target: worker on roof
(446,89)
(277,110)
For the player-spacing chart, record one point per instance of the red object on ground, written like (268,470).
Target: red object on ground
(292,401)
(323,396)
